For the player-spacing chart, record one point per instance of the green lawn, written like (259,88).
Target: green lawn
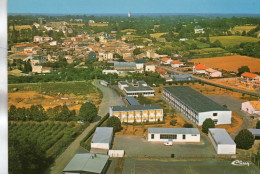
(231,41)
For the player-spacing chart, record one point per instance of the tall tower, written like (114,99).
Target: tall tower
(129,14)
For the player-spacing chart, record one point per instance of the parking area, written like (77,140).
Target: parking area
(212,166)
(136,146)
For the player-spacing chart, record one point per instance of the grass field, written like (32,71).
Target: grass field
(230,63)
(128,30)
(198,43)
(246,28)
(230,41)
(77,24)
(20,27)
(53,94)
(157,35)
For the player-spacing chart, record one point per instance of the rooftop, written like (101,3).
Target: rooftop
(87,162)
(136,107)
(139,88)
(124,64)
(156,130)
(176,62)
(194,99)
(200,67)
(250,75)
(132,101)
(221,136)
(165,59)
(255,131)
(102,135)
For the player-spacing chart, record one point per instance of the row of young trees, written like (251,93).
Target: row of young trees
(87,112)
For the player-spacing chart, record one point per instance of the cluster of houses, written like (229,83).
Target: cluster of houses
(202,69)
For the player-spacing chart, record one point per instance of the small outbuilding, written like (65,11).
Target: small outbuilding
(102,138)
(174,134)
(256,133)
(222,141)
(87,163)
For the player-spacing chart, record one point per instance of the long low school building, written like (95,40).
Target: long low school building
(174,134)
(222,141)
(102,138)
(196,106)
(138,113)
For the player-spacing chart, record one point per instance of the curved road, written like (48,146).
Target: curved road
(213,83)
(110,98)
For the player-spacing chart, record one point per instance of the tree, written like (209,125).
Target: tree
(115,123)
(243,69)
(87,112)
(137,51)
(188,125)
(65,114)
(244,33)
(208,123)
(245,139)
(37,113)
(12,113)
(258,125)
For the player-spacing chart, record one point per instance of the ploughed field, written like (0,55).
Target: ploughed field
(230,63)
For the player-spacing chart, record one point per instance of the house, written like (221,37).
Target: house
(199,68)
(183,77)
(137,113)
(92,56)
(196,106)
(107,71)
(256,133)
(166,61)
(135,88)
(149,67)
(247,77)
(251,107)
(105,56)
(36,24)
(198,29)
(48,28)
(176,63)
(102,138)
(53,43)
(213,73)
(37,69)
(46,70)
(38,60)
(87,163)
(184,39)
(222,141)
(174,134)
(37,39)
(162,72)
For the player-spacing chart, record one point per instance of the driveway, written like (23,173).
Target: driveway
(110,98)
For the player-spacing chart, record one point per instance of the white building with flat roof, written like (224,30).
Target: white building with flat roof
(222,141)
(102,138)
(134,88)
(251,107)
(173,134)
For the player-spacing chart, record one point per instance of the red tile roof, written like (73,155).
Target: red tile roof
(200,67)
(176,62)
(21,54)
(249,75)
(23,45)
(160,70)
(165,59)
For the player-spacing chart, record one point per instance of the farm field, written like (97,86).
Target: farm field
(53,94)
(52,137)
(157,35)
(246,28)
(128,30)
(230,63)
(98,24)
(20,27)
(231,41)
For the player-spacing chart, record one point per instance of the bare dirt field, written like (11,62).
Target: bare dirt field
(230,63)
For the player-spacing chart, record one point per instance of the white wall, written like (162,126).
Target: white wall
(224,117)
(189,138)
(247,107)
(100,145)
(223,148)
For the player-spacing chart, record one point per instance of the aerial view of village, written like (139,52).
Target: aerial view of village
(133,89)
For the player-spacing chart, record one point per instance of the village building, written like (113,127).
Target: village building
(137,113)
(149,67)
(135,88)
(251,107)
(162,72)
(173,134)
(102,138)
(165,61)
(131,101)
(87,163)
(256,133)
(198,29)
(199,68)
(196,106)
(248,78)
(176,64)
(213,73)
(181,77)
(222,141)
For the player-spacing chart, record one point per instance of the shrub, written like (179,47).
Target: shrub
(115,123)
(258,125)
(173,122)
(208,123)
(188,125)
(245,139)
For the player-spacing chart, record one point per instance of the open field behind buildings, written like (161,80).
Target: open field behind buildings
(230,41)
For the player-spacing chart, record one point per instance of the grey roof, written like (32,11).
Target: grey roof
(182,76)
(194,99)
(157,130)
(139,88)
(102,135)
(221,136)
(124,64)
(255,131)
(87,162)
(132,101)
(136,107)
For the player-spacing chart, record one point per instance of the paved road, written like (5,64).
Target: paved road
(110,98)
(214,83)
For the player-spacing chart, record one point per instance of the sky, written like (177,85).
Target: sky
(134,6)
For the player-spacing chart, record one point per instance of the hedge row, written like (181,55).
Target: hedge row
(83,141)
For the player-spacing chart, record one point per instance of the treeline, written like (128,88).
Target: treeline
(251,49)
(87,112)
